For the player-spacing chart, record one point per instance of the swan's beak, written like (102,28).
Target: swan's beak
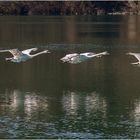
(8,59)
(106,53)
(128,53)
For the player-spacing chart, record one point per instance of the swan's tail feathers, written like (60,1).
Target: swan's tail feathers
(63,60)
(8,59)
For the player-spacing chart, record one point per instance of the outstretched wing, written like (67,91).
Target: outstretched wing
(137,55)
(72,55)
(28,51)
(14,52)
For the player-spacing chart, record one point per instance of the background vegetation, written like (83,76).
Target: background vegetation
(69,7)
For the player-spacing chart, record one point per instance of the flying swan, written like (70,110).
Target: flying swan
(136,55)
(22,56)
(75,58)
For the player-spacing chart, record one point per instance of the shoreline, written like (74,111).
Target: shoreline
(69,8)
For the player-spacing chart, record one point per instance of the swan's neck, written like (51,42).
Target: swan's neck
(131,53)
(33,55)
(100,54)
(91,56)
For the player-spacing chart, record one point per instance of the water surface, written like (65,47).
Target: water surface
(45,98)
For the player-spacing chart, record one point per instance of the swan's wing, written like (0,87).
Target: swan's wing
(14,52)
(4,50)
(137,55)
(72,55)
(68,57)
(28,51)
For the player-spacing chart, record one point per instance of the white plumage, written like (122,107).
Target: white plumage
(75,58)
(137,56)
(21,56)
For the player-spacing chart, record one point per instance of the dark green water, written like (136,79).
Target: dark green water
(45,98)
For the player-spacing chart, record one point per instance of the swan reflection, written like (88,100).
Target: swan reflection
(70,102)
(27,103)
(90,102)
(16,99)
(30,104)
(94,103)
(136,112)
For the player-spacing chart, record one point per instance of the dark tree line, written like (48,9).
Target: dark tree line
(68,7)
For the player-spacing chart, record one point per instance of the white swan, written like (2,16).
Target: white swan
(136,55)
(78,58)
(21,56)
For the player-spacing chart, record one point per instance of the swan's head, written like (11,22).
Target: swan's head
(46,51)
(129,53)
(105,53)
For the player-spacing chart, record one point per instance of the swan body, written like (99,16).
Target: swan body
(22,56)
(78,58)
(137,56)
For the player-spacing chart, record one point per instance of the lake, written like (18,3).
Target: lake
(45,98)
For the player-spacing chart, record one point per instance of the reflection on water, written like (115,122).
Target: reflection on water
(91,102)
(28,115)
(95,103)
(25,102)
(39,31)
(83,115)
(45,98)
(70,104)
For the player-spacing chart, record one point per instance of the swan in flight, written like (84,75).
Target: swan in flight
(22,56)
(136,55)
(78,58)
